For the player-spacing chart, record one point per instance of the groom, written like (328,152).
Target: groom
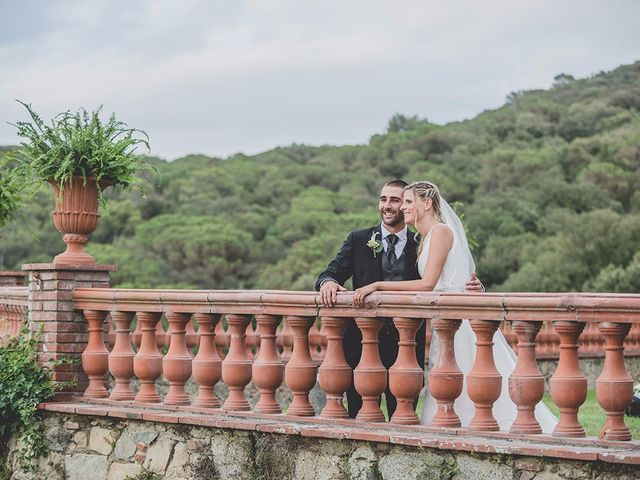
(392,258)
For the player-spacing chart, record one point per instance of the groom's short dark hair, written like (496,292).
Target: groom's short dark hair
(396,183)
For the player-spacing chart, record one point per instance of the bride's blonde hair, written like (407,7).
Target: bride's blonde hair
(426,190)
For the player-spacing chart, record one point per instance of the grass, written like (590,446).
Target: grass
(592,417)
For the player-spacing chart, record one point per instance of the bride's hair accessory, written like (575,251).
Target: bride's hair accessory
(426,190)
(374,244)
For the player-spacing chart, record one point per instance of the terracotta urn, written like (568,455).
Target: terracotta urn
(76,216)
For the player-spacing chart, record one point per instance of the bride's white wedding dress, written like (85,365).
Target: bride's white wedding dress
(456,271)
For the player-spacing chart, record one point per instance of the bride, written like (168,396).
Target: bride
(445,263)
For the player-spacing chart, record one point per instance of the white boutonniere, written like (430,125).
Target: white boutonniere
(374,244)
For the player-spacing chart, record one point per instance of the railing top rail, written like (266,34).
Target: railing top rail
(14,296)
(581,307)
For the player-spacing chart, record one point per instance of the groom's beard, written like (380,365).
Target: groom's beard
(393,220)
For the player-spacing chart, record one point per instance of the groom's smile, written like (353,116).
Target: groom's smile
(389,206)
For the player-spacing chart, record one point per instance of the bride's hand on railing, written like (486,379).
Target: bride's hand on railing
(474,284)
(361,293)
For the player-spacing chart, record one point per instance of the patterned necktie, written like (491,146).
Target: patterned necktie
(391,248)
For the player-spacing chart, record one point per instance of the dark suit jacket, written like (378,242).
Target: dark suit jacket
(355,259)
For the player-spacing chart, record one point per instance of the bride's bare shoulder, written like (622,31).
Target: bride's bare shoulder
(442,231)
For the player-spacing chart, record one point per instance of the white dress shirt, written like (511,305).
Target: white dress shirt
(400,244)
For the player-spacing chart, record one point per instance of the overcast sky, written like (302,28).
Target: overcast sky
(220,77)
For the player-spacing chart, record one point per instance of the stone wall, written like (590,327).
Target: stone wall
(95,448)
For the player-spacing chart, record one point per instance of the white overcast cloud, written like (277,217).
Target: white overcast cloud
(220,77)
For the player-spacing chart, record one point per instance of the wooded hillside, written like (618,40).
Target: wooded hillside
(546,185)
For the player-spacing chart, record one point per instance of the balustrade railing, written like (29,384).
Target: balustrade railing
(591,343)
(272,337)
(13,308)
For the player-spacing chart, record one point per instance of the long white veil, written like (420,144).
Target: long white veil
(457,270)
(460,264)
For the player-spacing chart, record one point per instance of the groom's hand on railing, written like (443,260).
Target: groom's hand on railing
(329,292)
(474,284)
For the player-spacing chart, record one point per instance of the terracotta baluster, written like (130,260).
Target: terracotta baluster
(323,343)
(287,343)
(335,372)
(111,332)
(121,357)
(509,335)
(370,376)
(427,344)
(568,384)
(445,378)
(8,320)
(176,364)
(15,320)
(268,369)
(147,364)
(253,341)
(526,384)
(484,382)
(554,339)
(405,375)
(5,319)
(614,387)
(161,340)
(236,367)
(207,366)
(314,343)
(95,358)
(632,342)
(301,371)
(136,335)
(588,344)
(191,336)
(221,339)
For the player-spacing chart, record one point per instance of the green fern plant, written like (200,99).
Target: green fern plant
(81,144)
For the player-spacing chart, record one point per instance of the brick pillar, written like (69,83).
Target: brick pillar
(64,330)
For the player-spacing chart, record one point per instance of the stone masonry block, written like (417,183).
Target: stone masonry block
(84,467)
(102,440)
(158,455)
(399,465)
(471,467)
(121,471)
(125,447)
